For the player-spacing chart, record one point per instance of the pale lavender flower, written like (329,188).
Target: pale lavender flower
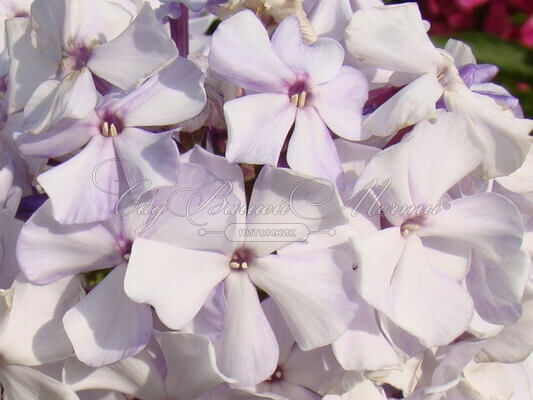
(428,252)
(55,53)
(311,289)
(119,152)
(287,82)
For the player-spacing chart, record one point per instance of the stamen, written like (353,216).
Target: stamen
(301,99)
(295,99)
(241,259)
(113,130)
(105,129)
(407,229)
(126,257)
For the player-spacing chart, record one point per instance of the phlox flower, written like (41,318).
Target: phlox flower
(118,149)
(176,273)
(287,83)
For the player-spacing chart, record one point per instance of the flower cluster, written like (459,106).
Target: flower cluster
(308,200)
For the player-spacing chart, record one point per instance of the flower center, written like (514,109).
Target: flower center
(241,259)
(75,58)
(111,125)
(411,225)
(299,94)
(276,376)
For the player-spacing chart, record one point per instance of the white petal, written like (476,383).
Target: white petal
(363,346)
(94,179)
(172,96)
(106,326)
(33,333)
(375,267)
(305,202)
(29,65)
(497,288)
(451,258)
(319,62)
(191,365)
(86,21)
(503,138)
(137,376)
(514,343)
(313,369)
(490,380)
(425,303)
(241,52)
(220,166)
(65,137)
(311,150)
(313,291)
(148,157)
(488,222)
(280,329)
(29,384)
(248,350)
(462,53)
(412,104)
(162,275)
(432,145)
(329,18)
(340,102)
(393,37)
(257,127)
(140,50)
(48,250)
(74,97)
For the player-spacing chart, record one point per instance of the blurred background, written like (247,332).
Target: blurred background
(500,32)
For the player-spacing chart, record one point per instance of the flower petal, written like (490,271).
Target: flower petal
(497,288)
(363,346)
(313,292)
(63,250)
(311,149)
(33,333)
(106,326)
(340,102)
(29,66)
(93,177)
(417,292)
(241,52)
(160,274)
(412,104)
(65,137)
(172,96)
(86,21)
(148,157)
(368,38)
(30,384)
(74,97)
(293,199)
(248,350)
(488,222)
(140,50)
(257,127)
(137,376)
(319,62)
(502,137)
(183,350)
